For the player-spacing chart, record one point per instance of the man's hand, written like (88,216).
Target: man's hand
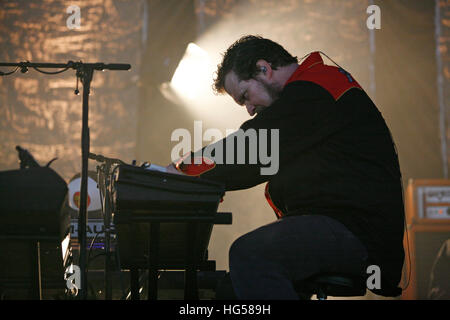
(171,169)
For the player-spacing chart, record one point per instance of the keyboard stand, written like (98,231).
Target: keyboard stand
(195,242)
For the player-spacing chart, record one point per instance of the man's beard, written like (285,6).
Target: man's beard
(273,92)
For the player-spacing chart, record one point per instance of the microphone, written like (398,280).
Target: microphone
(100,158)
(117,66)
(111,66)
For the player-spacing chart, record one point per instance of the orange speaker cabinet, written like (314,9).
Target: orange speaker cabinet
(427,206)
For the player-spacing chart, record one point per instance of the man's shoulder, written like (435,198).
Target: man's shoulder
(305,89)
(305,100)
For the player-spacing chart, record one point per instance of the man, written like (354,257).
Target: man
(337,191)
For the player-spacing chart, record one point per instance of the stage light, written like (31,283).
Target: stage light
(191,88)
(193,71)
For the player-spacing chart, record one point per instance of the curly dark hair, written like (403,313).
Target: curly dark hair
(241,57)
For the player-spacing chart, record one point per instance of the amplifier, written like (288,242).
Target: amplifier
(34,239)
(31,202)
(427,204)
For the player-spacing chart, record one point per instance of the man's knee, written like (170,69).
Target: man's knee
(238,249)
(243,248)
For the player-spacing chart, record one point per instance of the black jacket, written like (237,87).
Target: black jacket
(336,158)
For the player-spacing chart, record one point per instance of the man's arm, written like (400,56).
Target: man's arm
(304,116)
(171,168)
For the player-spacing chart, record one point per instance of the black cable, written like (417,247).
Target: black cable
(103,190)
(8,73)
(98,255)
(47,72)
(409,255)
(404,215)
(401,183)
(118,265)
(331,59)
(25,69)
(90,249)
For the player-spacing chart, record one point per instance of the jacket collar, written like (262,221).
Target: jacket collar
(313,59)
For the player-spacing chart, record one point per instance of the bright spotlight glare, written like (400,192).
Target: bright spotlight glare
(193,71)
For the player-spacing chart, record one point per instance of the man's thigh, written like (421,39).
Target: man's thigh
(304,245)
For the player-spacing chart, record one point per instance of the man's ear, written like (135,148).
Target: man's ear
(265,69)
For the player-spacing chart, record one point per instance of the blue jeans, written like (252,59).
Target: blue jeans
(265,263)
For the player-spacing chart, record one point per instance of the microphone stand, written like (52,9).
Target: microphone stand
(84,72)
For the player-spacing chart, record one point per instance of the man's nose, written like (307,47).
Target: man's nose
(250,109)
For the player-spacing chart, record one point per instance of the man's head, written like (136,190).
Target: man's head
(251,73)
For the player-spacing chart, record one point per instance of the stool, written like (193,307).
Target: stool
(336,285)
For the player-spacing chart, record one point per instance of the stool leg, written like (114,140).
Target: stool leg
(321,295)
(153,247)
(36,288)
(134,283)
(190,280)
